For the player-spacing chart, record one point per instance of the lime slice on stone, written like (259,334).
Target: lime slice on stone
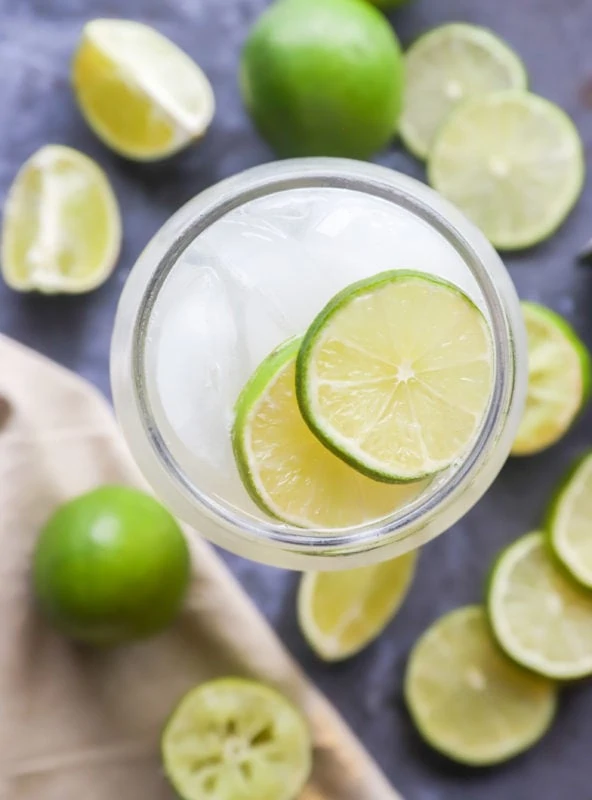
(559,378)
(341,612)
(541,618)
(235,739)
(62,228)
(513,162)
(447,66)
(395,375)
(287,471)
(141,94)
(570,522)
(467,699)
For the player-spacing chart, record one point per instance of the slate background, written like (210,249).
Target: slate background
(554,37)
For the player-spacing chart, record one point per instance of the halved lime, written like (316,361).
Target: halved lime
(62,228)
(570,522)
(513,162)
(236,739)
(341,612)
(445,67)
(140,93)
(287,471)
(395,375)
(467,699)
(541,618)
(559,379)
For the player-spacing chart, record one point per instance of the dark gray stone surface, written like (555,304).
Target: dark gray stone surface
(555,39)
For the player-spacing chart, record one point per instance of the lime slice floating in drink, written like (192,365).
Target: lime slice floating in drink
(395,375)
(341,612)
(540,616)
(62,228)
(513,162)
(559,378)
(287,471)
(569,522)
(467,699)
(141,94)
(235,739)
(447,66)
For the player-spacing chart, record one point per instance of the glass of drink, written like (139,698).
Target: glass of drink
(250,263)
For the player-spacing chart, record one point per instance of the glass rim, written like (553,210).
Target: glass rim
(209,206)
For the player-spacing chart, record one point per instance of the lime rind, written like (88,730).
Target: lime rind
(330,646)
(235,739)
(556,524)
(491,46)
(576,397)
(245,406)
(304,381)
(480,117)
(48,280)
(469,683)
(529,655)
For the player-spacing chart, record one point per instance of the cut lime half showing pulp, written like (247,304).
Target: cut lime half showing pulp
(236,739)
(62,228)
(513,162)
(559,377)
(139,92)
(447,66)
(341,612)
(287,471)
(540,616)
(467,699)
(395,375)
(570,522)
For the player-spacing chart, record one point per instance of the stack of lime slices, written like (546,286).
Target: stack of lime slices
(512,161)
(481,683)
(388,387)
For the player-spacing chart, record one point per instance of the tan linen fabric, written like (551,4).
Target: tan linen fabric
(81,724)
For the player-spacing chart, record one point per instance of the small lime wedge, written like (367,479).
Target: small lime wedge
(559,379)
(513,162)
(467,699)
(540,617)
(570,522)
(287,471)
(62,228)
(236,739)
(395,375)
(140,93)
(445,67)
(341,612)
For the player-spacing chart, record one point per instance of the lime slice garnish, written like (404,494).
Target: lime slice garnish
(62,228)
(140,93)
(513,162)
(287,471)
(341,612)
(541,618)
(559,377)
(569,522)
(395,375)
(236,739)
(467,699)
(447,66)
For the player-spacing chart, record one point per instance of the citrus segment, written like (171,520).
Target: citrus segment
(62,228)
(287,470)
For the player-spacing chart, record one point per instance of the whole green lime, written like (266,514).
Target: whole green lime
(111,566)
(323,77)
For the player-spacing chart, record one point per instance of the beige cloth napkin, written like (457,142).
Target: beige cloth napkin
(76,724)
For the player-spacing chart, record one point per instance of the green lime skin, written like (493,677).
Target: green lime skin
(323,78)
(111,566)
(388,5)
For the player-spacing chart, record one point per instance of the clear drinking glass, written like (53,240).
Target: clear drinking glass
(255,258)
